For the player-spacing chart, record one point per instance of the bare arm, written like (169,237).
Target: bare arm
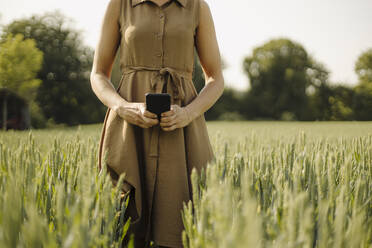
(210,60)
(104,56)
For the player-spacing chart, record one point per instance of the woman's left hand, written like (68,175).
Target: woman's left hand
(177,117)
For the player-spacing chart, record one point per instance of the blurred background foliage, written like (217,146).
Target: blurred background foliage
(286,83)
(64,95)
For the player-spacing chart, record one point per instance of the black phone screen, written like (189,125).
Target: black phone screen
(158,103)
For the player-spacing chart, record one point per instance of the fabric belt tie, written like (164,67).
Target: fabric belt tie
(175,79)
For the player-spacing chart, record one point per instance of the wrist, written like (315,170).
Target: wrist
(121,105)
(192,114)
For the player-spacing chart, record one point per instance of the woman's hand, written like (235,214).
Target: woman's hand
(136,113)
(177,117)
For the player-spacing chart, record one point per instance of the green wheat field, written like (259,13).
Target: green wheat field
(273,184)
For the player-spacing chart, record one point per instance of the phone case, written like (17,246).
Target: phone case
(158,103)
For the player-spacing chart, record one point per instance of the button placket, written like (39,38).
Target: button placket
(161,32)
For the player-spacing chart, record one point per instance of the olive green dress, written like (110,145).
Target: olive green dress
(157,49)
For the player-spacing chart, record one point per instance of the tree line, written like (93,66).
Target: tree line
(46,62)
(286,83)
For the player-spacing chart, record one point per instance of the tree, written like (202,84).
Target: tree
(20,61)
(227,105)
(341,102)
(362,102)
(65,95)
(363,67)
(319,91)
(279,78)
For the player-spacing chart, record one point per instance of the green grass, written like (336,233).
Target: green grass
(273,184)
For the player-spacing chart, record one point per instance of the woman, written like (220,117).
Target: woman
(156,40)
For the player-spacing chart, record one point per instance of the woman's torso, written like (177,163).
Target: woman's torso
(156,36)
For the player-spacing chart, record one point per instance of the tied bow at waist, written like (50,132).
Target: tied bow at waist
(157,81)
(175,79)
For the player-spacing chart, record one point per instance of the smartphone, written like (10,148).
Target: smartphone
(158,103)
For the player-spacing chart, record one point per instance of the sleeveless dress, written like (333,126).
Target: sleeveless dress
(156,51)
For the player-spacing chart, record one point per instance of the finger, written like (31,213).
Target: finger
(170,128)
(149,114)
(168,113)
(154,122)
(150,121)
(167,119)
(141,125)
(168,124)
(139,122)
(146,125)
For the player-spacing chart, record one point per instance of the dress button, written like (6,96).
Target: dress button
(161,16)
(158,55)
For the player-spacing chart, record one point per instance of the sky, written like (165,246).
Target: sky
(334,32)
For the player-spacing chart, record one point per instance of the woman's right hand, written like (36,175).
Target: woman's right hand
(136,113)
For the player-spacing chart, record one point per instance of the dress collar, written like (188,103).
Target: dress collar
(136,2)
